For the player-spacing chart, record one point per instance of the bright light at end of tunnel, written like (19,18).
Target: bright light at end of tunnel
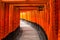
(21,14)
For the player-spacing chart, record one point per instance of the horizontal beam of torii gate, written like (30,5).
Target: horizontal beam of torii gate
(25,1)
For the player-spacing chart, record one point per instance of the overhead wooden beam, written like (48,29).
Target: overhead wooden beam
(25,1)
(29,8)
(29,5)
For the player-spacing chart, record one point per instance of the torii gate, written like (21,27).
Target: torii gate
(10,17)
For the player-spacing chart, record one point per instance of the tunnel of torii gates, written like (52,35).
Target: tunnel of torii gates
(46,13)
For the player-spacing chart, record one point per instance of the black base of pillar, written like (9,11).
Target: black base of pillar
(13,35)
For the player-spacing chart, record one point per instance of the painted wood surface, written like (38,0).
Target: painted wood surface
(9,19)
(48,19)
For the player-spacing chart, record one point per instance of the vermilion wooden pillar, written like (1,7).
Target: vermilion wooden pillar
(58,5)
(9,19)
(54,19)
(6,19)
(16,18)
(1,20)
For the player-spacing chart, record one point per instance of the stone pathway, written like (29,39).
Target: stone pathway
(28,33)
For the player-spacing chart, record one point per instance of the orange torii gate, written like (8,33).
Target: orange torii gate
(10,17)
